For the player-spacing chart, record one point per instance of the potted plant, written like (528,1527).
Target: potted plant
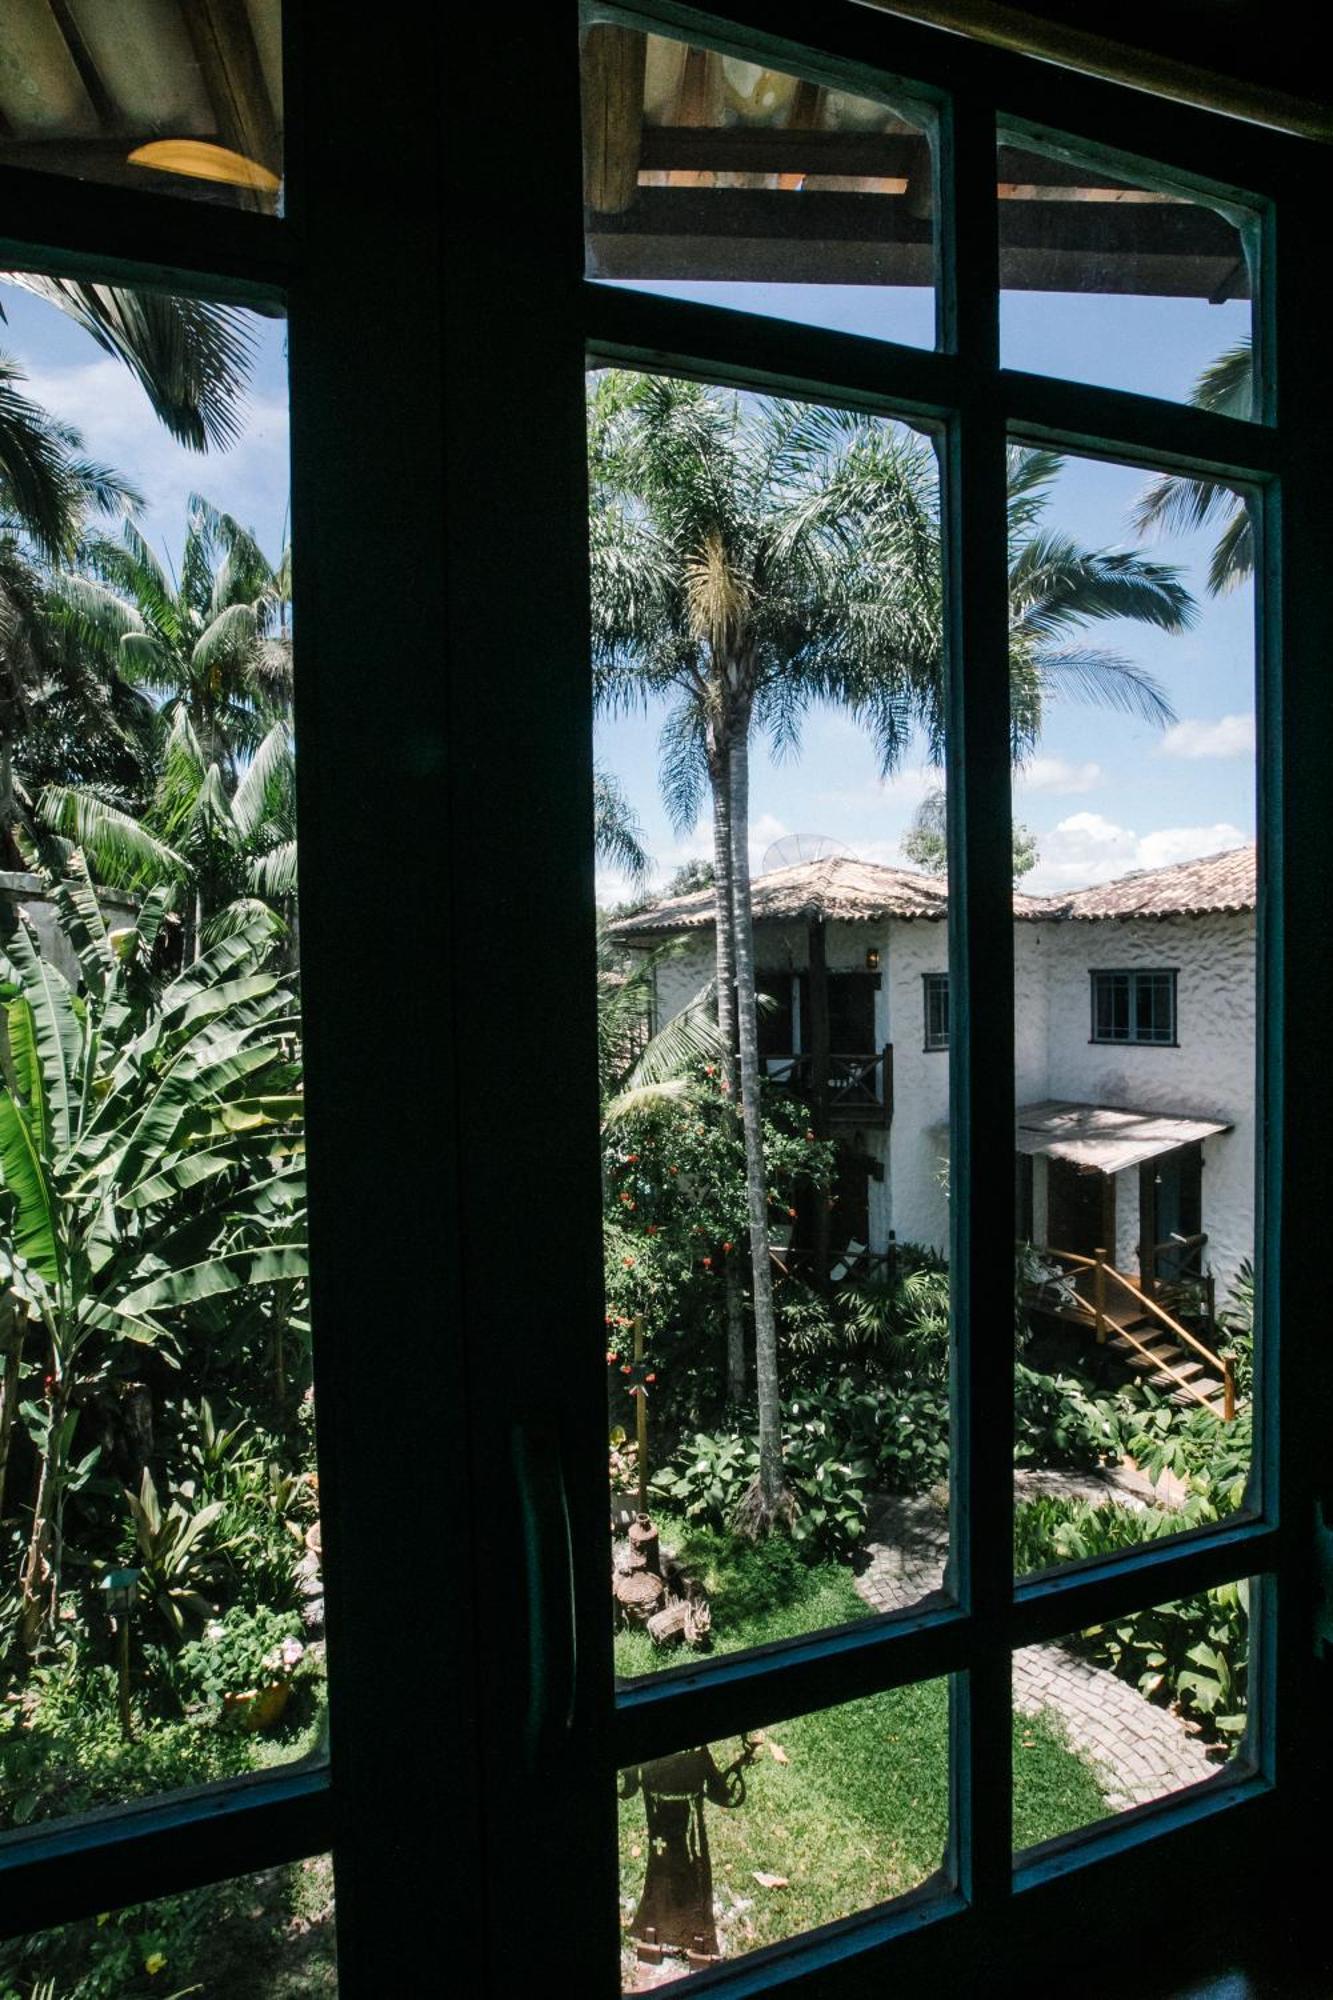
(244,1664)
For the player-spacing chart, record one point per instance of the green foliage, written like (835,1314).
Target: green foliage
(151,1161)
(1235,1322)
(899,1318)
(675,1204)
(244,1650)
(180,1551)
(1193,1652)
(1210,1455)
(1058,1421)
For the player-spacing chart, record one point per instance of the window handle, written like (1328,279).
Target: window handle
(548,1558)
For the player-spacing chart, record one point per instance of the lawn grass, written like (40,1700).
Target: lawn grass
(848,1807)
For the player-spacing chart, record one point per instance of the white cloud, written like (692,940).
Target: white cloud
(1228,736)
(1058,775)
(1187,843)
(1087,848)
(104,402)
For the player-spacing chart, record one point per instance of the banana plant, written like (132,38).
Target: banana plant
(151,1157)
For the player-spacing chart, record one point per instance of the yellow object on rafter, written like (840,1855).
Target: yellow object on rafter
(203,161)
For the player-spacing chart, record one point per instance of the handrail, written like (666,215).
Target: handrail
(1219,1362)
(1160,1312)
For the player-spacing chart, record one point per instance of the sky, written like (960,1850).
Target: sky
(1104,793)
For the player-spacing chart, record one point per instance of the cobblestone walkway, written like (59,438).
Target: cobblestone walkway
(1140,1752)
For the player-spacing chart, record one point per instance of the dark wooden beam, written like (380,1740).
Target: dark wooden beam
(763,235)
(107,161)
(233,75)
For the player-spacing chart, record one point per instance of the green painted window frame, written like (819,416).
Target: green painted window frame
(1136,977)
(935,1005)
(487,1747)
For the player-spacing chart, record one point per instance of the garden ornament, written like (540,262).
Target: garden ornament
(675,1911)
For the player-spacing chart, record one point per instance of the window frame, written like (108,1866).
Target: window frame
(933,986)
(1133,975)
(486,1707)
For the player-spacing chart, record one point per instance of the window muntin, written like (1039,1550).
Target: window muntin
(935,1000)
(1137,1005)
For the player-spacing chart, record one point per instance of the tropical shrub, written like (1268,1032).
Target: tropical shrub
(675,1215)
(244,1650)
(1193,1652)
(150,1158)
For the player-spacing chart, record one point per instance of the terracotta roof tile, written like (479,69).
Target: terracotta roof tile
(842,890)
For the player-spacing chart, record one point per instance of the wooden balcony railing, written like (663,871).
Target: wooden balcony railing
(860,1087)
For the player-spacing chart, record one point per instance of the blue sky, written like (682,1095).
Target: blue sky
(1103,794)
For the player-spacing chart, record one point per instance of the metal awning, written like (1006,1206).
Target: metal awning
(1105,1137)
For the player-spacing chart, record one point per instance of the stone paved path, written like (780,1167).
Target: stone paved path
(1140,1752)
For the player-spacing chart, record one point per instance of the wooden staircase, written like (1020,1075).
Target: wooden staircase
(1122,1316)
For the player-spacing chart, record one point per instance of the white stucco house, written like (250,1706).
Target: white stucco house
(1136,1058)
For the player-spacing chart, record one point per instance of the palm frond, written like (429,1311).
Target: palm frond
(191,358)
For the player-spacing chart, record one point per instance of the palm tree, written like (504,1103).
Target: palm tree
(230,845)
(749,559)
(212,655)
(1172,505)
(52,698)
(617,834)
(214,645)
(191,358)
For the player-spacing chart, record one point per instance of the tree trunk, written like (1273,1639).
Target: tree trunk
(13,1327)
(817,988)
(40,1582)
(770,1499)
(719,772)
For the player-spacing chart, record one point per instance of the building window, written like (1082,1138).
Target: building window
(935,986)
(1134,1007)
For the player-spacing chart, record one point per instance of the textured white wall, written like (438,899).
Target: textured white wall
(918,1137)
(1211,1074)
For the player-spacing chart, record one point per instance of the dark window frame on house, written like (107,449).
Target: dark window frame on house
(1140,984)
(500,1702)
(935,1011)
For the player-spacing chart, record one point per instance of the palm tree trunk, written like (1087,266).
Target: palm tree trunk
(769,1500)
(719,772)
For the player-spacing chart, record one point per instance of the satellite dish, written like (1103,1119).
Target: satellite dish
(797,847)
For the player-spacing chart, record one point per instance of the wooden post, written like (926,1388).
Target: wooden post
(1210,1306)
(123,1676)
(1099,1294)
(641,1420)
(1228,1390)
(614,60)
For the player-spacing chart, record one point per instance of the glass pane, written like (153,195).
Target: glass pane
(1116,278)
(259,1937)
(1149,1705)
(161,1609)
(155,94)
(740,1844)
(710,178)
(1135,786)
(836,1361)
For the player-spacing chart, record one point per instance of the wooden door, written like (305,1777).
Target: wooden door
(1080,1209)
